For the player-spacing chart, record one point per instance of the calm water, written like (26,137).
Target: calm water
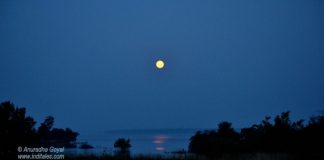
(149,141)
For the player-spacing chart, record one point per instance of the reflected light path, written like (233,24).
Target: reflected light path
(159,141)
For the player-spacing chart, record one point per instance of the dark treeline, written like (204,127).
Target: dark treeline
(17,129)
(280,136)
(300,139)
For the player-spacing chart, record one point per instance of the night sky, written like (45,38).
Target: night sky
(91,64)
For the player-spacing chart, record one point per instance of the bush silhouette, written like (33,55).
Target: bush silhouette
(122,144)
(282,136)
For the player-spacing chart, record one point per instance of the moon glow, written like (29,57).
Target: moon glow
(159,64)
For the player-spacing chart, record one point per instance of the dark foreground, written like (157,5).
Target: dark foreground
(281,139)
(254,156)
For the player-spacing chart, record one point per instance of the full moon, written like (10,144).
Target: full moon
(159,64)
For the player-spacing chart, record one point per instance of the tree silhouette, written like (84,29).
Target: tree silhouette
(215,143)
(16,129)
(56,136)
(227,138)
(282,136)
(122,144)
(44,130)
(46,126)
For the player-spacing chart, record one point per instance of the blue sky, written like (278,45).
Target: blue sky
(90,64)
